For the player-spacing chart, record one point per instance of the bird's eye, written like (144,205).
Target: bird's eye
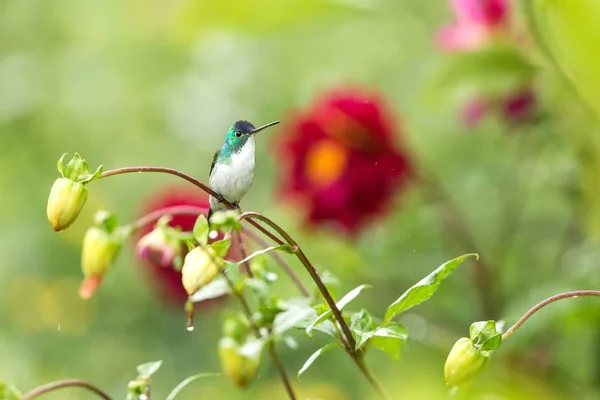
(238,134)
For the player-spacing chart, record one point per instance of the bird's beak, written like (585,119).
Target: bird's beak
(260,128)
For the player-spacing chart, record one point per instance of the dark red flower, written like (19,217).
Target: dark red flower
(167,279)
(341,160)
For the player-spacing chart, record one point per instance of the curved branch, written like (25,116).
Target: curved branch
(313,274)
(173,210)
(544,303)
(65,383)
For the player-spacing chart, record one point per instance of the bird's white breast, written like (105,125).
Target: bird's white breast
(233,178)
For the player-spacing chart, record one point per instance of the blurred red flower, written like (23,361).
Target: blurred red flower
(341,159)
(477,22)
(167,279)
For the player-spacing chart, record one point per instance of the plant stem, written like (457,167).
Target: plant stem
(360,362)
(174,210)
(197,210)
(313,274)
(65,383)
(282,263)
(192,180)
(248,313)
(243,253)
(544,303)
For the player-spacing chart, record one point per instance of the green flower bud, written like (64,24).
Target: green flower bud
(200,267)
(101,245)
(464,362)
(65,202)
(68,193)
(239,366)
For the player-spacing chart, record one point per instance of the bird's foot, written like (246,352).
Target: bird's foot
(220,198)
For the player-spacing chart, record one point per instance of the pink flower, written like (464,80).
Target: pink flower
(477,21)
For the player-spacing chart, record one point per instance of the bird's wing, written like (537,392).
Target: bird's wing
(214,161)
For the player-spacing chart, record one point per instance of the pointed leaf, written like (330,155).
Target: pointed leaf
(260,288)
(216,288)
(201,230)
(146,370)
(314,357)
(291,318)
(189,380)
(485,336)
(424,289)
(283,247)
(221,247)
(87,178)
(348,297)
(60,165)
(389,345)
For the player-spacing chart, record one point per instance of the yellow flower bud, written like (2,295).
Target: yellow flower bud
(65,202)
(200,267)
(464,362)
(99,251)
(240,368)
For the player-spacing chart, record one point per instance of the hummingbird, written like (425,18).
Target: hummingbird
(232,169)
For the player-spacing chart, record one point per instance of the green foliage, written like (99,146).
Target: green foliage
(286,248)
(217,288)
(314,357)
(201,230)
(189,380)
(146,370)
(424,289)
(9,392)
(485,336)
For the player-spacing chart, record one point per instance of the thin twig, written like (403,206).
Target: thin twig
(360,362)
(193,181)
(544,303)
(243,253)
(248,313)
(173,210)
(313,274)
(62,384)
(282,263)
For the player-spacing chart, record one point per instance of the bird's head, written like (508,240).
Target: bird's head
(241,131)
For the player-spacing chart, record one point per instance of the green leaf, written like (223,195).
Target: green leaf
(87,178)
(60,165)
(389,339)
(9,392)
(221,247)
(362,327)
(146,370)
(348,297)
(189,380)
(282,247)
(217,288)
(485,336)
(424,289)
(314,357)
(201,230)
(291,318)
(260,288)
(225,220)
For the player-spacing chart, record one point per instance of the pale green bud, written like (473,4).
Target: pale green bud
(239,366)
(65,202)
(464,362)
(200,266)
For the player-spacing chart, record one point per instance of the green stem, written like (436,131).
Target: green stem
(65,383)
(362,365)
(544,303)
(313,274)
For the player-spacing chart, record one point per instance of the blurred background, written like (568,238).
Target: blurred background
(412,132)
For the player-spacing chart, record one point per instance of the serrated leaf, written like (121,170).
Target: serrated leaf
(201,230)
(189,380)
(216,288)
(9,392)
(348,297)
(292,318)
(221,247)
(316,355)
(424,289)
(485,336)
(146,370)
(283,247)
